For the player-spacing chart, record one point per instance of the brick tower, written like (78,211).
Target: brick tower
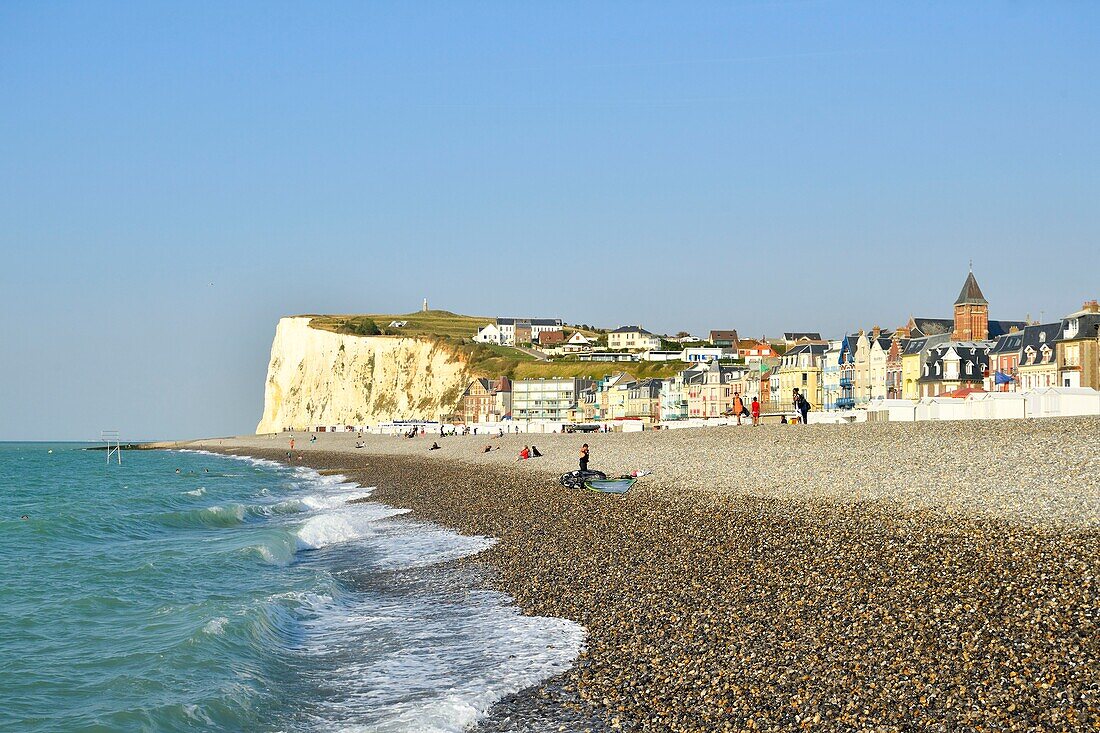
(971,313)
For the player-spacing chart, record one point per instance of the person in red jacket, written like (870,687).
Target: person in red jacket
(524,454)
(755,411)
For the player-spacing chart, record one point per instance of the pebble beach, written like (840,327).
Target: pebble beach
(918,576)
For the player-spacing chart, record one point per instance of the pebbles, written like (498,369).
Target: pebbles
(916,576)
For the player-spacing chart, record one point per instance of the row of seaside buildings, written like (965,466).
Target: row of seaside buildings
(926,357)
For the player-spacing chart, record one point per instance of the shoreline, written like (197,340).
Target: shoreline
(712,608)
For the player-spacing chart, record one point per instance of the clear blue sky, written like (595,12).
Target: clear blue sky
(176,176)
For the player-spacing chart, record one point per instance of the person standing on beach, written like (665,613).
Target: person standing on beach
(738,406)
(801,404)
(292,444)
(584,457)
(755,411)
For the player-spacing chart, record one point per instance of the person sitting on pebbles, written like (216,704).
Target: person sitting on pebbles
(435,446)
(524,454)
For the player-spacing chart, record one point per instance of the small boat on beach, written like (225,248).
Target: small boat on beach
(610,486)
(577,479)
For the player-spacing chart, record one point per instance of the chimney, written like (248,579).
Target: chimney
(1091,306)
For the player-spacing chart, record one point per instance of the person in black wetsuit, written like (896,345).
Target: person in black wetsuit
(584,457)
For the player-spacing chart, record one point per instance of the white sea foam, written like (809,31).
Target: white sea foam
(335,526)
(215,626)
(197,492)
(418,658)
(415,545)
(430,664)
(260,462)
(246,459)
(333,501)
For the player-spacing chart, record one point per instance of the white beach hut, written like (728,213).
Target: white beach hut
(942,408)
(1062,402)
(997,405)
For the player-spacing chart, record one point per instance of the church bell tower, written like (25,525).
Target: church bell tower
(971,313)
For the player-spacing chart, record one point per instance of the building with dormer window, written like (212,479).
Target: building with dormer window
(847,365)
(954,365)
(801,368)
(522,330)
(710,391)
(1004,363)
(1038,356)
(1078,348)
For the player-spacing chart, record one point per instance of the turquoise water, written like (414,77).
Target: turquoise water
(241,595)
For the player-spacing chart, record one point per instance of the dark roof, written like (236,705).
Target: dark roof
(1000,328)
(1088,326)
(1008,343)
(631,329)
(1037,335)
(814,349)
(915,346)
(971,293)
(974,353)
(796,335)
(484,382)
(723,335)
(650,386)
(697,373)
(932,326)
(848,348)
(921,345)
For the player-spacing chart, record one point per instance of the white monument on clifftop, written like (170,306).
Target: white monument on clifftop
(425,308)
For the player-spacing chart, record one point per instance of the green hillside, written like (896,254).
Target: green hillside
(488,360)
(419,324)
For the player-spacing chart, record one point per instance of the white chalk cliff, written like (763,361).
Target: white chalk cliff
(318,377)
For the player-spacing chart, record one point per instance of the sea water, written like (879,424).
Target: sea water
(242,595)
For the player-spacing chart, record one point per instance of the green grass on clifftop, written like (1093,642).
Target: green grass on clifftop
(489,360)
(419,324)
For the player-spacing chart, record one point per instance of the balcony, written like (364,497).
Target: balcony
(845,381)
(845,403)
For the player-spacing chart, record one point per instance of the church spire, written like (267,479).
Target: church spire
(971,293)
